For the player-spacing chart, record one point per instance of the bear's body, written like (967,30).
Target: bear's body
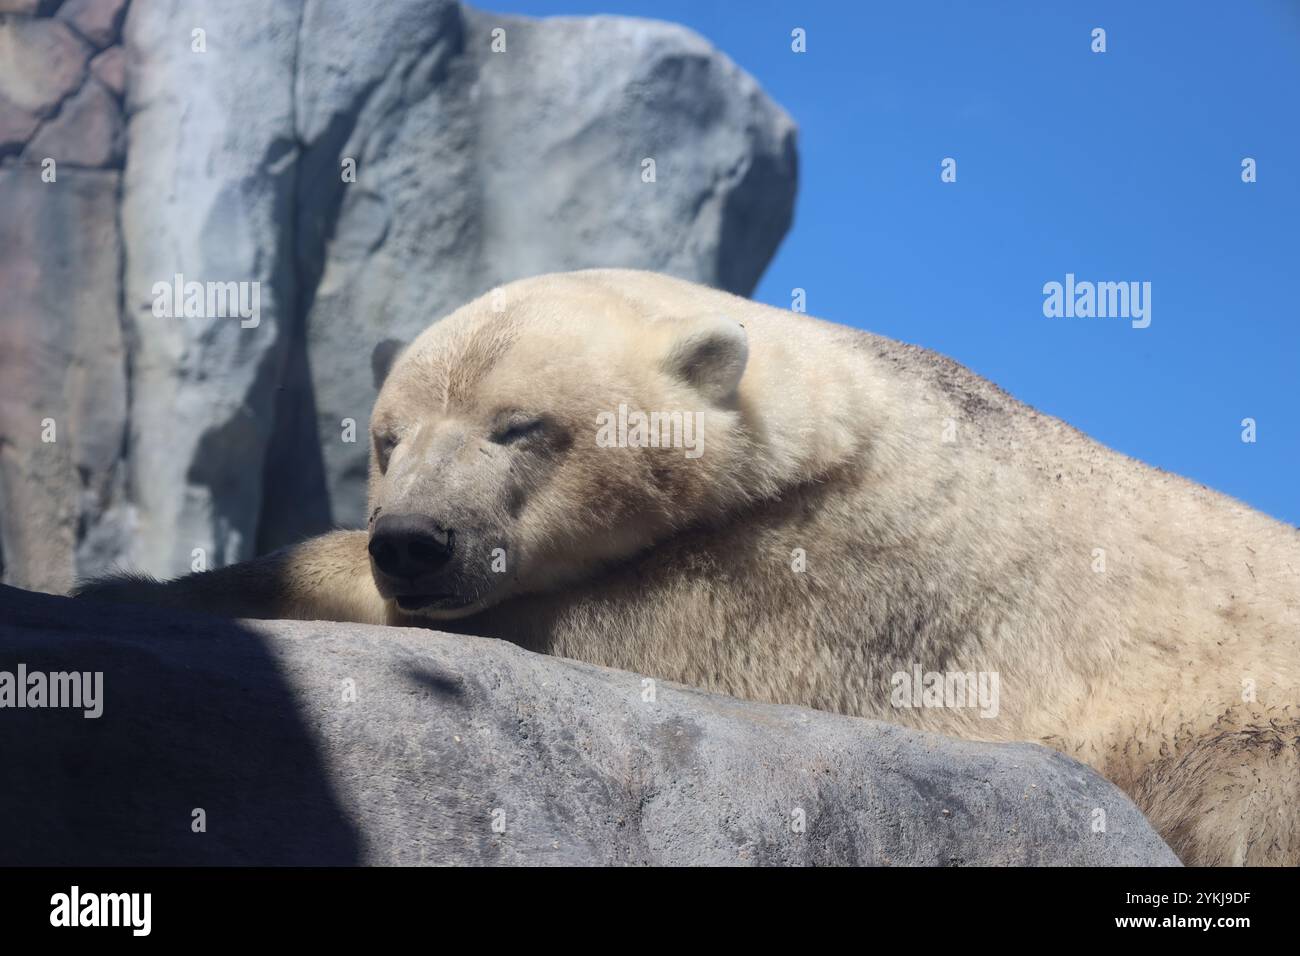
(861,509)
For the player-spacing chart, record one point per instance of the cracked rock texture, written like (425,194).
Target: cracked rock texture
(369,167)
(319,743)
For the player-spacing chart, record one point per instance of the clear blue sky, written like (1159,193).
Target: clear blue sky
(1117,166)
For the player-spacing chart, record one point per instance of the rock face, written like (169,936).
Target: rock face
(316,743)
(363,169)
(63,387)
(63,355)
(217,124)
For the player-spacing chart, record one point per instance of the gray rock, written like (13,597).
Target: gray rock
(29,7)
(99,21)
(62,360)
(41,62)
(208,195)
(63,512)
(87,132)
(44,80)
(317,743)
(109,67)
(16,128)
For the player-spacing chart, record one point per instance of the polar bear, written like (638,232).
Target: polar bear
(638,472)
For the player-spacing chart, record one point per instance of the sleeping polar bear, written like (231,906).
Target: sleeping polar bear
(642,473)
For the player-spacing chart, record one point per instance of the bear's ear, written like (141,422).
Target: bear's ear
(710,356)
(383,358)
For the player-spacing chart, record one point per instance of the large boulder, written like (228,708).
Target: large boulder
(231,742)
(366,168)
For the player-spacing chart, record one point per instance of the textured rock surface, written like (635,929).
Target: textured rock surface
(208,194)
(42,61)
(87,131)
(63,388)
(330,743)
(98,21)
(63,353)
(474,165)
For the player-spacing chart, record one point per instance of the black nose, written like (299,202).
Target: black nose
(408,546)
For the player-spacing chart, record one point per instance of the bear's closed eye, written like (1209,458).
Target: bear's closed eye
(516,429)
(384,445)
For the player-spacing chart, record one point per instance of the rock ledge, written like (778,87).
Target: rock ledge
(320,743)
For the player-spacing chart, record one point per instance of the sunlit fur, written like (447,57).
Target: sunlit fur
(944,525)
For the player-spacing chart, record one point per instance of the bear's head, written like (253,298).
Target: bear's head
(546,431)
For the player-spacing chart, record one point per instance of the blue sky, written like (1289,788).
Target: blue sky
(1115,166)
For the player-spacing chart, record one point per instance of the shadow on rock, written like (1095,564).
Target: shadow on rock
(198,723)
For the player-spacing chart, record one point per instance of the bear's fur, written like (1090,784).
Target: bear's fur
(861,509)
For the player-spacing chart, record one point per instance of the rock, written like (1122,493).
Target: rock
(41,62)
(317,743)
(16,128)
(63,360)
(473,168)
(29,8)
(208,194)
(62,365)
(43,78)
(109,68)
(87,131)
(99,21)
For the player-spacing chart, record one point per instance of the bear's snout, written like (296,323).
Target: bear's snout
(410,546)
